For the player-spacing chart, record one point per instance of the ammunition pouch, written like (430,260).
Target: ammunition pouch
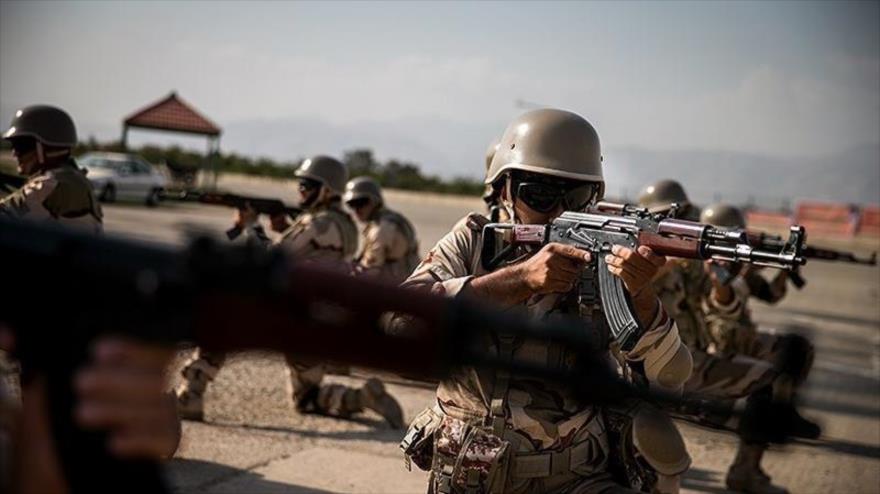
(418,442)
(469,459)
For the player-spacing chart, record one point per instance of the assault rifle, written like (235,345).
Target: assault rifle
(763,240)
(608,225)
(259,204)
(227,298)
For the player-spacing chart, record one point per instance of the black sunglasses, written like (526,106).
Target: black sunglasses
(544,196)
(358,203)
(308,184)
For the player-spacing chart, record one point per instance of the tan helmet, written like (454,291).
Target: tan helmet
(489,191)
(658,196)
(362,188)
(329,171)
(723,216)
(49,125)
(550,142)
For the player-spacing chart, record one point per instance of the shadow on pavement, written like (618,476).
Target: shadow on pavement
(843,446)
(701,480)
(378,432)
(830,316)
(197,476)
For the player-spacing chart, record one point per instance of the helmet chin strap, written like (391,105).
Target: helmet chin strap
(43,154)
(507,200)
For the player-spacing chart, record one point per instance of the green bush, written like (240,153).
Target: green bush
(393,174)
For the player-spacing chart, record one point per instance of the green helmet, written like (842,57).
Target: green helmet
(550,142)
(723,216)
(362,188)
(329,171)
(658,196)
(49,125)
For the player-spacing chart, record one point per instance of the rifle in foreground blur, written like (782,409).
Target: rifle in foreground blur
(763,240)
(10,182)
(228,298)
(261,205)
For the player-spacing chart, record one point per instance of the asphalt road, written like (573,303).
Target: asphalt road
(254,441)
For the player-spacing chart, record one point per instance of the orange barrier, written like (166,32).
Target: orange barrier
(769,220)
(827,218)
(869,221)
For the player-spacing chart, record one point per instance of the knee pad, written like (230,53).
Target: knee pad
(659,442)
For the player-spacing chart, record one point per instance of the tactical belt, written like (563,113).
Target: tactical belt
(551,463)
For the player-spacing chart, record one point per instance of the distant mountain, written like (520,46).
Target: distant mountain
(849,176)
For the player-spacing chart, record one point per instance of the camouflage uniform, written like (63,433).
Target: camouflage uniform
(491,433)
(705,325)
(390,248)
(61,194)
(324,233)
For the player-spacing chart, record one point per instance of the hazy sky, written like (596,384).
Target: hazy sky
(781,79)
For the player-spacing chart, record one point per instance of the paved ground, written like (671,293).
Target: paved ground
(253,440)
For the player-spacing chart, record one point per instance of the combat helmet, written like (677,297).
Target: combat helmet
(362,188)
(489,192)
(329,171)
(550,142)
(658,196)
(49,125)
(723,215)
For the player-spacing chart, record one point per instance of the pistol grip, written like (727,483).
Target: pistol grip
(618,308)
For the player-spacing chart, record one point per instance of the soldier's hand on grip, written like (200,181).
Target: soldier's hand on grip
(635,267)
(245,217)
(554,269)
(122,391)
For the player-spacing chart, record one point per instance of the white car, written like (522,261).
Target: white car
(123,176)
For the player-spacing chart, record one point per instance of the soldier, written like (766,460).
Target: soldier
(42,139)
(324,232)
(490,195)
(389,247)
(491,432)
(660,196)
(705,307)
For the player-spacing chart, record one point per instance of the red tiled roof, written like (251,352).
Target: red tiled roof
(172,113)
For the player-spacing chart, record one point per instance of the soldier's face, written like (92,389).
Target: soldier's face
(309,190)
(362,208)
(25,152)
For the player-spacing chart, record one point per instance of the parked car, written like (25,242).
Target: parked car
(123,176)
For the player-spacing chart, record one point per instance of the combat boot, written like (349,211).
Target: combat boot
(190,405)
(745,475)
(374,397)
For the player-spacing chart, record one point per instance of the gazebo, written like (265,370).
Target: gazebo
(175,115)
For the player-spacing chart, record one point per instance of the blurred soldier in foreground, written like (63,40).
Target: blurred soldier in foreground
(42,138)
(708,311)
(658,198)
(121,391)
(323,233)
(490,432)
(389,248)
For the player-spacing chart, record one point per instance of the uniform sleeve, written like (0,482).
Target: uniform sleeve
(724,320)
(30,200)
(377,243)
(661,355)
(446,269)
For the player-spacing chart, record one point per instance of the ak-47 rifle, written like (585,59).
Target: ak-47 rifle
(763,240)
(259,204)
(227,298)
(607,225)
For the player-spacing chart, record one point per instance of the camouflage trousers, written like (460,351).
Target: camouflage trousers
(309,395)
